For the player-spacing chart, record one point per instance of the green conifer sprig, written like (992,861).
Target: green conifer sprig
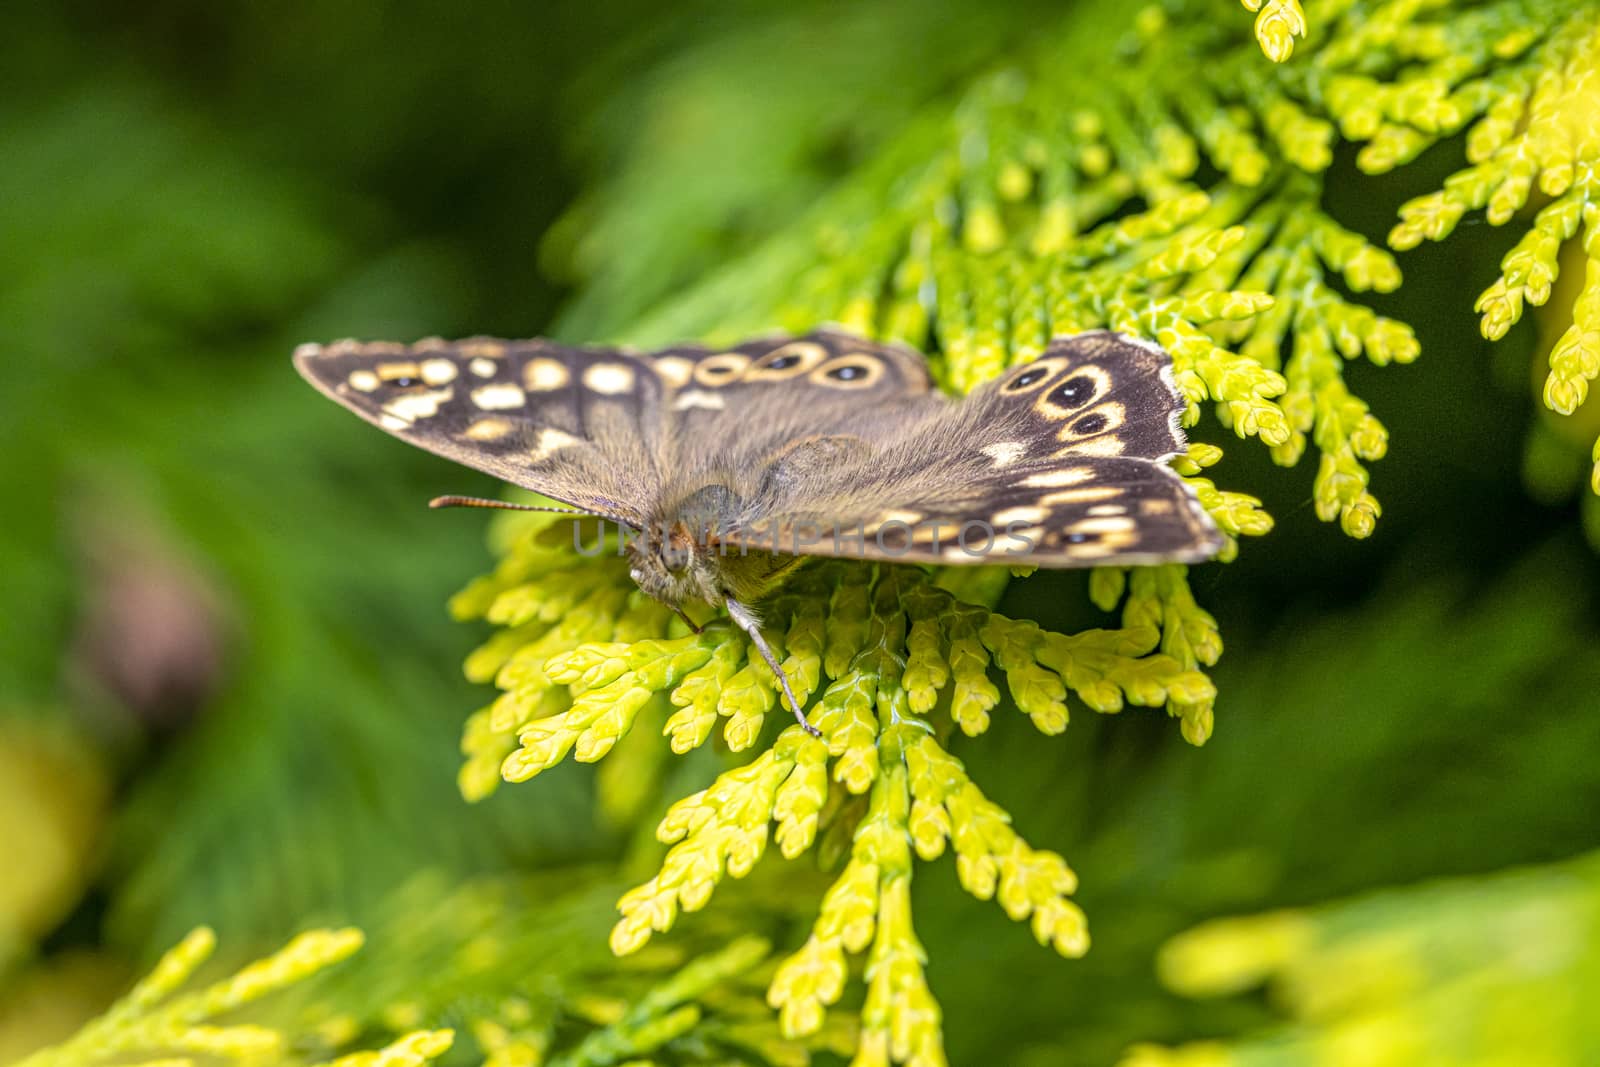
(154,1023)
(1172,193)
(519,967)
(1522,81)
(503,964)
(1278,23)
(900,663)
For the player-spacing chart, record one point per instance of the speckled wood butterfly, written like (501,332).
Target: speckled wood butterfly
(730,466)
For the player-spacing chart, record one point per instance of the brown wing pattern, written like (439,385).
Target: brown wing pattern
(824,444)
(577,425)
(1061,462)
(729,407)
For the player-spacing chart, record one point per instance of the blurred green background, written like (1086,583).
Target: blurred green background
(229,691)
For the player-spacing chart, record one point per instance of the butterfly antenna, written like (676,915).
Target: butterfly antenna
(506,505)
(750,624)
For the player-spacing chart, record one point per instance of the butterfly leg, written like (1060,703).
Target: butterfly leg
(750,624)
(690,623)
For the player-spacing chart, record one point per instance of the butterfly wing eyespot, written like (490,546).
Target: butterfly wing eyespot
(854,370)
(1032,376)
(1075,392)
(1072,390)
(786,361)
(1109,417)
(720,369)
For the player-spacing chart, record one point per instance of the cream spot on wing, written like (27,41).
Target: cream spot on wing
(393,423)
(1157,507)
(1080,496)
(483,347)
(492,428)
(1017,542)
(1106,535)
(674,370)
(1094,446)
(1024,513)
(908,518)
(1103,525)
(697,398)
(548,442)
(1108,509)
(609,379)
(1005,453)
(391,371)
(363,380)
(499,397)
(414,406)
(438,371)
(543,374)
(934,531)
(1056,479)
(483,367)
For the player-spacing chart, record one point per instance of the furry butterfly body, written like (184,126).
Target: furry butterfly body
(733,464)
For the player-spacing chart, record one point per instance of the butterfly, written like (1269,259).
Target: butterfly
(730,466)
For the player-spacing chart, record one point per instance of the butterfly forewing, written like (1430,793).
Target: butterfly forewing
(577,425)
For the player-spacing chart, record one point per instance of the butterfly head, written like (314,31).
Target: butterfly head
(673,565)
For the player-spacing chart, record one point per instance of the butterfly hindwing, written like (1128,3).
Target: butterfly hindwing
(1095,394)
(1061,461)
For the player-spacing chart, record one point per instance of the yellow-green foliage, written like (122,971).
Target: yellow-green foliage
(1501,965)
(1278,23)
(1174,193)
(156,1024)
(1522,80)
(518,967)
(899,662)
(521,969)
(970,178)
